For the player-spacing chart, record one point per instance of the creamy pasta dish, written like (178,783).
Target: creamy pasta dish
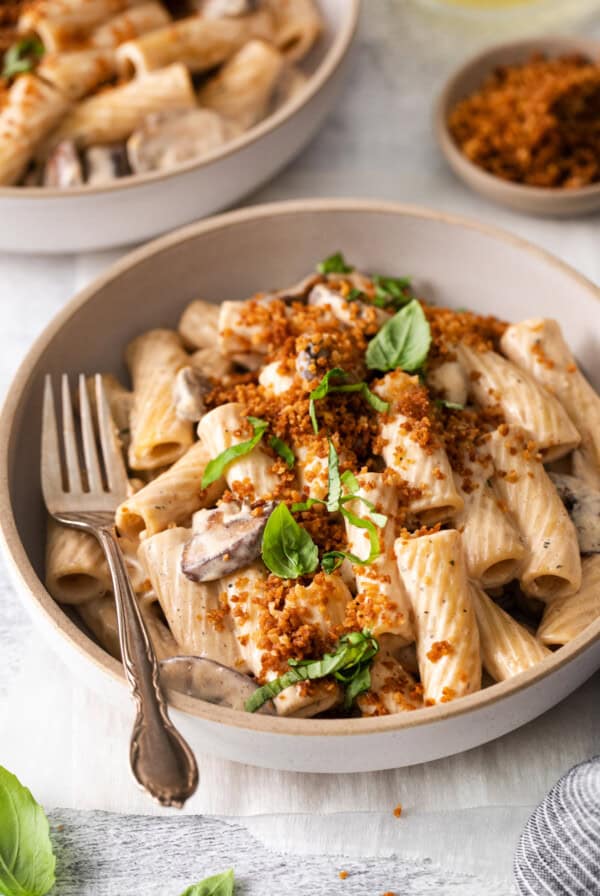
(365,502)
(94,90)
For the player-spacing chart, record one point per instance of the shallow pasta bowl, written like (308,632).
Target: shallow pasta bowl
(546,201)
(453,262)
(136,208)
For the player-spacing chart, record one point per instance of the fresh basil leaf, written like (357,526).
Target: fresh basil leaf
(355,295)
(26,859)
(353,653)
(283,450)
(451,405)
(287,548)
(218,885)
(326,387)
(22,56)
(301,506)
(371,528)
(350,482)
(216,467)
(391,292)
(332,560)
(333,479)
(335,264)
(359,684)
(403,341)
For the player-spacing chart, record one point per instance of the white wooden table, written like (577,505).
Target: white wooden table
(377,143)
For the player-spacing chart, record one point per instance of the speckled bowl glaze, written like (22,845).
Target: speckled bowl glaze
(134,209)
(453,262)
(543,201)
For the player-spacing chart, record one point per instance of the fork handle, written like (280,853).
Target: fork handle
(161,760)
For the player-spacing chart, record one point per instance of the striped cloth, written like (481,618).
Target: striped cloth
(559,850)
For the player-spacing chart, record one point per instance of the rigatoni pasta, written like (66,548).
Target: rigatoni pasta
(125,87)
(327,497)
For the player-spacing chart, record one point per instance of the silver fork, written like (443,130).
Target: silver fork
(161,760)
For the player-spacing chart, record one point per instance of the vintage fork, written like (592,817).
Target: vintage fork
(161,760)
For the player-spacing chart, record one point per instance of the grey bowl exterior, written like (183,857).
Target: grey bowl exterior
(453,262)
(139,208)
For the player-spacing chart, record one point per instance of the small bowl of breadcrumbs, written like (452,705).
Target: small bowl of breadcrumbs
(520,124)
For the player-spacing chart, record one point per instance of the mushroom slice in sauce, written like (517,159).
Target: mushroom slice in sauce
(225,539)
(169,138)
(104,164)
(189,391)
(583,505)
(63,167)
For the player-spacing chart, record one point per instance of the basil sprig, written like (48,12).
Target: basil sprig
(216,467)
(283,450)
(287,549)
(349,664)
(22,57)
(392,292)
(26,859)
(217,885)
(403,341)
(335,264)
(326,387)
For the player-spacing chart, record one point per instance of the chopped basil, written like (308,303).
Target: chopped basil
(354,295)
(331,560)
(287,548)
(392,292)
(333,478)
(283,450)
(216,467)
(218,885)
(451,405)
(326,387)
(403,342)
(26,859)
(335,264)
(349,664)
(22,56)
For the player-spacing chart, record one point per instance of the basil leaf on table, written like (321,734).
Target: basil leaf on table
(218,885)
(22,56)
(216,467)
(403,341)
(26,859)
(326,387)
(335,264)
(283,450)
(287,548)
(352,656)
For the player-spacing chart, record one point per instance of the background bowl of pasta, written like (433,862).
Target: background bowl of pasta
(122,119)
(536,643)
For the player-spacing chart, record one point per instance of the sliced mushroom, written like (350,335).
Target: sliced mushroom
(104,164)
(63,167)
(298,290)
(225,539)
(306,361)
(583,505)
(169,138)
(189,391)
(341,308)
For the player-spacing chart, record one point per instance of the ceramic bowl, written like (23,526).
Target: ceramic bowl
(134,209)
(546,201)
(453,262)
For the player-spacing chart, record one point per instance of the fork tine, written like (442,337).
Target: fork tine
(50,466)
(70,440)
(111,451)
(92,465)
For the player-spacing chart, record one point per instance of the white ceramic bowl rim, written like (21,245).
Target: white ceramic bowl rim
(564,44)
(41,601)
(330,63)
